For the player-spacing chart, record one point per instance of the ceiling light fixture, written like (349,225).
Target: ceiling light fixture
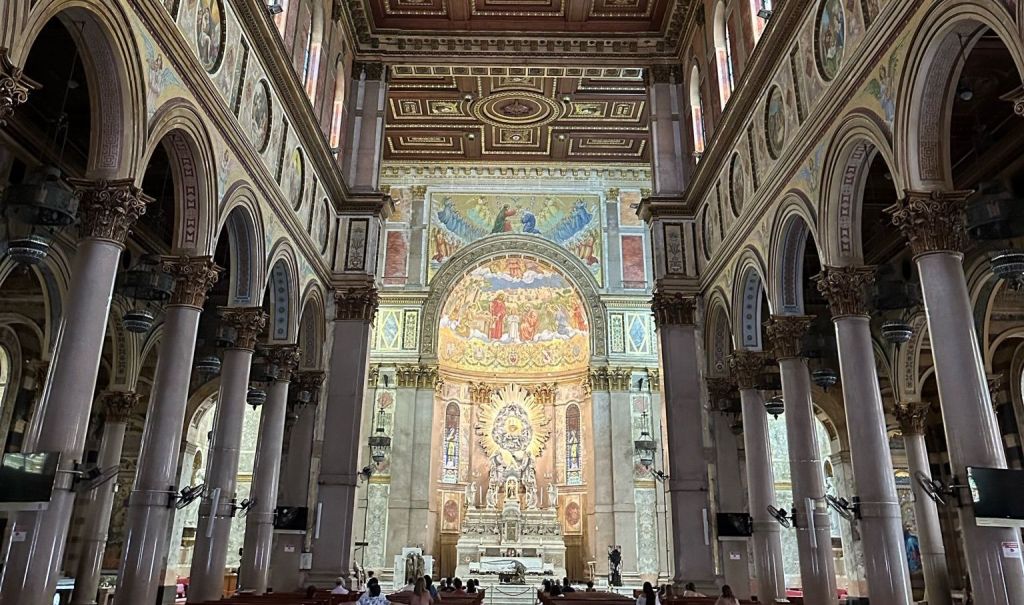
(275,8)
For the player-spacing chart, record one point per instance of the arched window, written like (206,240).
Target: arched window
(723,54)
(311,62)
(338,110)
(573,446)
(760,10)
(450,453)
(696,113)
(281,18)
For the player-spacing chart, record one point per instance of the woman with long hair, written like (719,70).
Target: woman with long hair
(649,597)
(727,598)
(420,594)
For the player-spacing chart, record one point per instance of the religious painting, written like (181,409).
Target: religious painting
(775,122)
(573,445)
(295,178)
(629,201)
(411,331)
(514,314)
(616,337)
(450,443)
(675,257)
(830,37)
(321,225)
(355,252)
(172,7)
(572,517)
(634,274)
(396,254)
(882,87)
(260,116)
(572,221)
(210,34)
(451,513)
(737,184)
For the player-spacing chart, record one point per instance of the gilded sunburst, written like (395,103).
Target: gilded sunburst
(512,424)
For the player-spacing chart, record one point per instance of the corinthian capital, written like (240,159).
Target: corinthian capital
(248,323)
(912,416)
(785,334)
(119,405)
(193,278)
(14,86)
(306,385)
(933,221)
(282,360)
(673,308)
(356,303)
(721,391)
(747,367)
(846,289)
(108,209)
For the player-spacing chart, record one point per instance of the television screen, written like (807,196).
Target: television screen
(735,525)
(998,496)
(291,518)
(27,478)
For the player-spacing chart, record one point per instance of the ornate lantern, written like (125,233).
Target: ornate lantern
(147,286)
(775,406)
(138,321)
(645,447)
(208,365)
(379,442)
(825,378)
(897,332)
(36,209)
(992,213)
(256,397)
(1008,265)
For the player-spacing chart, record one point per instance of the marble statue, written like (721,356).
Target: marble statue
(413,567)
(528,475)
(552,495)
(471,494)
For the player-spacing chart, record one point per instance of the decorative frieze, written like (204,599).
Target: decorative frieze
(248,323)
(282,361)
(119,405)
(673,308)
(846,289)
(912,416)
(356,303)
(14,86)
(933,221)
(785,334)
(194,276)
(108,209)
(747,368)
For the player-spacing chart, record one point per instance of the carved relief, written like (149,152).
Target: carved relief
(785,335)
(356,303)
(248,323)
(672,308)
(845,289)
(119,405)
(14,87)
(747,367)
(194,276)
(108,209)
(933,221)
(912,416)
(282,361)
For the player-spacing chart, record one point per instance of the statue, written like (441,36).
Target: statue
(614,566)
(413,567)
(494,481)
(511,489)
(520,574)
(552,495)
(471,494)
(528,475)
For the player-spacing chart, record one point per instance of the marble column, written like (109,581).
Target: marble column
(933,222)
(885,557)
(603,521)
(14,86)
(810,511)
(419,504)
(254,573)
(355,308)
(294,483)
(150,506)
(747,368)
(733,551)
(118,408)
(107,210)
(217,508)
(913,417)
(688,479)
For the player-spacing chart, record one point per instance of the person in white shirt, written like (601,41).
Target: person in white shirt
(727,597)
(691,591)
(649,597)
(339,587)
(372,595)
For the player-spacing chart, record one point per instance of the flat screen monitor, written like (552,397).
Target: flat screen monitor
(291,518)
(735,525)
(997,495)
(26,480)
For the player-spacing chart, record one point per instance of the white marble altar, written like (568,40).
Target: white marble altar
(492,540)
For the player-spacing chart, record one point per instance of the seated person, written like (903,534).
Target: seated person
(458,586)
(691,591)
(727,598)
(648,597)
(339,587)
(590,587)
(566,586)
(372,595)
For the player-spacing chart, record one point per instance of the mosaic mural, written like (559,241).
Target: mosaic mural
(831,38)
(210,33)
(572,221)
(514,314)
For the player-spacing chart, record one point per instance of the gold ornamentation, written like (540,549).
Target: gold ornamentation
(14,86)
(282,361)
(721,393)
(417,377)
(845,289)
(545,392)
(373,375)
(119,405)
(933,221)
(480,392)
(673,308)
(194,276)
(747,368)
(356,303)
(248,323)
(785,333)
(654,377)
(108,209)
(418,192)
(512,425)
(612,194)
(912,416)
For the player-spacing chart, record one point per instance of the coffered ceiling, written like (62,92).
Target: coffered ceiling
(481,114)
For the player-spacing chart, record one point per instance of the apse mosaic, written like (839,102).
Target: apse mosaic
(571,221)
(514,315)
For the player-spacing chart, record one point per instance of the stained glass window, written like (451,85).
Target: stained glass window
(573,446)
(450,453)
(337,111)
(697,113)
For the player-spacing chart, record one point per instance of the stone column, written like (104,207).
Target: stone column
(14,86)
(254,572)
(885,557)
(355,306)
(688,482)
(603,522)
(810,512)
(107,210)
(422,439)
(151,504)
(934,224)
(217,508)
(295,476)
(913,417)
(118,409)
(747,368)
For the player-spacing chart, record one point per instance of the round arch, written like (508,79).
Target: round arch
(178,127)
(470,256)
(243,224)
(747,296)
(859,139)
(312,327)
(282,283)
(794,227)
(718,335)
(930,75)
(102,31)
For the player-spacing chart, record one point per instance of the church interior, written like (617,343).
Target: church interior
(325,301)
